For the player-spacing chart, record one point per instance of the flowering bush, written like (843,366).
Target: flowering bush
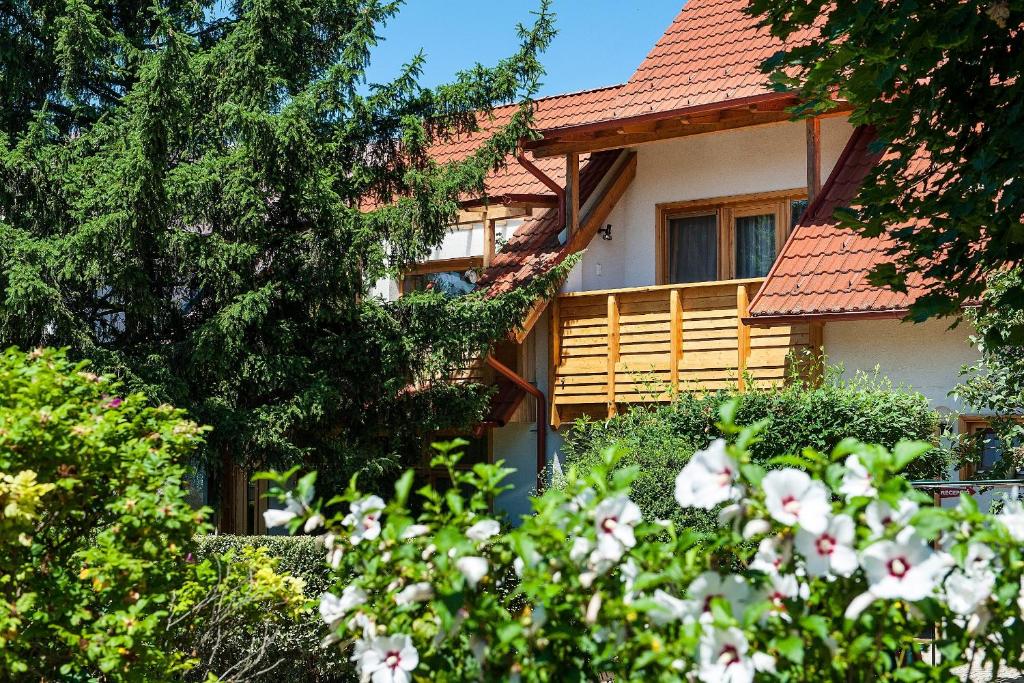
(825,567)
(94,522)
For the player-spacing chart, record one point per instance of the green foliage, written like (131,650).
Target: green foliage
(995,384)
(232,615)
(294,647)
(96,525)
(659,440)
(940,83)
(199,196)
(841,583)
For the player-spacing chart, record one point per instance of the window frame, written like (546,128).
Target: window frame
(971,425)
(726,210)
(461,263)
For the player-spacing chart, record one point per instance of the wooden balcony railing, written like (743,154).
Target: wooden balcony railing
(616,347)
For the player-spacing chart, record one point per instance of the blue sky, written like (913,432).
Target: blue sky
(599,42)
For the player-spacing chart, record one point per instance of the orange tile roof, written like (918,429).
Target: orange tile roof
(710,54)
(549,112)
(823,268)
(534,249)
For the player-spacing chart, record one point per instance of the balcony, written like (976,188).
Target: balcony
(613,348)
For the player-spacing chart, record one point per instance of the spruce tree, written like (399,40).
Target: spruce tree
(198,196)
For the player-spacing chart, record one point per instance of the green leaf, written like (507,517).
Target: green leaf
(752,473)
(403,486)
(906,452)
(791,647)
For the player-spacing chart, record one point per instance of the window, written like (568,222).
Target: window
(449,276)
(726,238)
(693,248)
(988,449)
(756,230)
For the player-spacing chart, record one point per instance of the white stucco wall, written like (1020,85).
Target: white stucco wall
(468,239)
(736,162)
(926,357)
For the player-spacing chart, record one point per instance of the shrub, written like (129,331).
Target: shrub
(659,440)
(96,525)
(232,613)
(293,647)
(842,579)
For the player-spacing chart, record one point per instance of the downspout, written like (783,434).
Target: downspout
(542,426)
(551,184)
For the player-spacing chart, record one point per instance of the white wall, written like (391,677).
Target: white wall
(468,239)
(926,357)
(742,161)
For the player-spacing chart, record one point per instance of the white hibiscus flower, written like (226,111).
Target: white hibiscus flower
(473,569)
(794,499)
(581,547)
(386,659)
(709,478)
(415,531)
(483,530)
(293,508)
(667,608)
(772,554)
(581,501)
(904,569)
(1012,517)
(711,585)
(724,657)
(783,587)
(614,520)
(364,517)
(967,588)
(333,607)
(627,574)
(880,515)
(856,480)
(829,553)
(415,592)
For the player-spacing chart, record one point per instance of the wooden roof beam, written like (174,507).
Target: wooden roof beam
(675,129)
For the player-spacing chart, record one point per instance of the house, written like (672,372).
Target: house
(704,215)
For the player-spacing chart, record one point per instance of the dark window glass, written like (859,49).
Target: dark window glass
(796,211)
(692,249)
(991,449)
(755,245)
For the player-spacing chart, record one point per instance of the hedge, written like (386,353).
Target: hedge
(660,439)
(305,658)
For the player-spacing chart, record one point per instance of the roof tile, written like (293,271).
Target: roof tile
(823,267)
(534,249)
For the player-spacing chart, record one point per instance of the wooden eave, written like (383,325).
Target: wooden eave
(655,127)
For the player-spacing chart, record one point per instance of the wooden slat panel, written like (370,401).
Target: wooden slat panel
(639,345)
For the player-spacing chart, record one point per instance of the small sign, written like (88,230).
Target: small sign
(953,491)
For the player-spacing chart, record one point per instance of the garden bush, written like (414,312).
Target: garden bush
(294,647)
(235,613)
(842,566)
(99,577)
(96,526)
(659,440)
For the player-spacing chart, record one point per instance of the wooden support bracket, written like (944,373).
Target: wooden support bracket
(572,192)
